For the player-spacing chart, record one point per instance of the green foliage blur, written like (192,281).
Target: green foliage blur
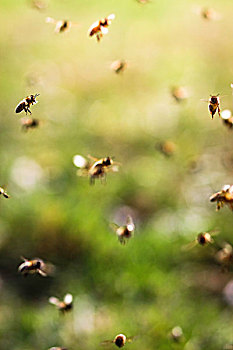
(150,285)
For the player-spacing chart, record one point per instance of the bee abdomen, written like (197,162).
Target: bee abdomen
(20,107)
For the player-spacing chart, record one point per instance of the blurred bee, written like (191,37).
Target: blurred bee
(35,265)
(29,123)
(203,239)
(119,66)
(179,93)
(143,1)
(225,255)
(223,196)
(3,192)
(65,305)
(120,340)
(26,103)
(96,170)
(209,14)
(227,118)
(39,5)
(57,348)
(166,147)
(176,334)
(124,232)
(61,25)
(99,28)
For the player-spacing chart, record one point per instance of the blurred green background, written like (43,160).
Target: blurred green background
(149,285)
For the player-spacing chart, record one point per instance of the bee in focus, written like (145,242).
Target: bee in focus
(224,256)
(97,170)
(35,265)
(63,305)
(120,340)
(61,25)
(225,196)
(214,105)
(124,232)
(180,93)
(99,28)
(176,334)
(25,104)
(203,239)
(29,123)
(4,193)
(119,66)
(227,118)
(167,148)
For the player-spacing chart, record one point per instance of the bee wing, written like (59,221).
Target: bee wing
(129,222)
(203,100)
(23,258)
(82,172)
(214,232)
(92,158)
(47,269)
(54,301)
(42,273)
(68,298)
(189,245)
(106,342)
(111,17)
(131,339)
(104,30)
(114,226)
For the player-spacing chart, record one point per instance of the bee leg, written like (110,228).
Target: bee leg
(92,180)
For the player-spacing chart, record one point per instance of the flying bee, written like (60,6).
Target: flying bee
(99,28)
(97,170)
(39,5)
(119,66)
(203,239)
(124,232)
(63,305)
(29,123)
(225,255)
(225,196)
(227,118)
(26,103)
(120,340)
(180,93)
(209,14)
(61,25)
(4,193)
(35,265)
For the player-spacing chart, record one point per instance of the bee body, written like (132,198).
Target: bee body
(204,238)
(98,169)
(124,232)
(99,28)
(63,305)
(33,266)
(214,105)
(225,196)
(29,123)
(119,66)
(25,104)
(3,192)
(120,340)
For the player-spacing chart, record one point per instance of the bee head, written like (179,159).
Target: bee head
(107,161)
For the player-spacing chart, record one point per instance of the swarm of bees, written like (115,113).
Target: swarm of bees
(100,28)
(225,196)
(119,66)
(34,266)
(120,340)
(96,170)
(25,104)
(125,232)
(63,305)
(4,193)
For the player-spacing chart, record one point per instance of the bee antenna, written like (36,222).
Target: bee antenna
(37,95)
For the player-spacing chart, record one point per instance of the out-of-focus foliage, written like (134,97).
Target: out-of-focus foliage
(151,284)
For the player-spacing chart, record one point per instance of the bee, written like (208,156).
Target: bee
(65,305)
(227,118)
(99,28)
(179,93)
(176,334)
(203,239)
(120,340)
(61,25)
(57,348)
(29,123)
(225,196)
(97,170)
(224,256)
(124,232)
(119,66)
(39,5)
(209,14)
(35,265)
(3,192)
(143,1)
(26,103)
